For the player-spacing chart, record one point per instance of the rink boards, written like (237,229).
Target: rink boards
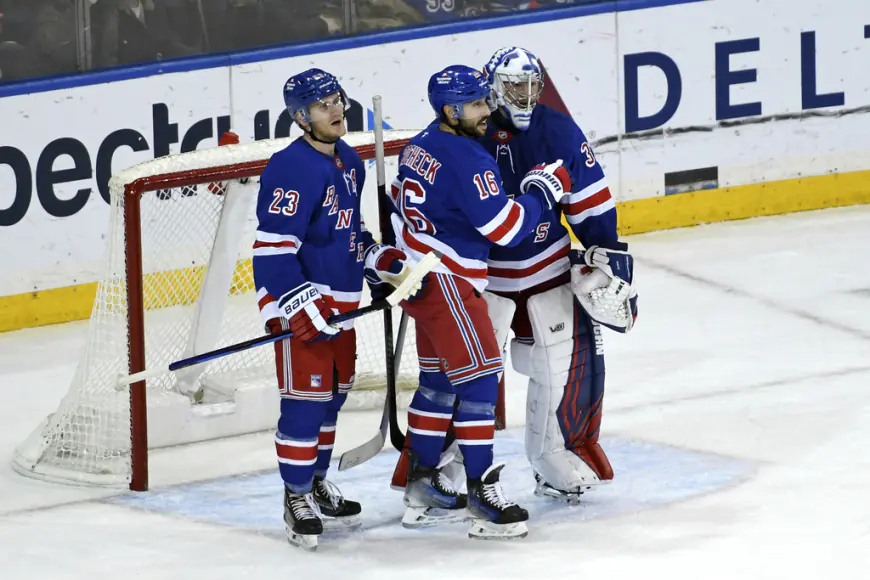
(752,109)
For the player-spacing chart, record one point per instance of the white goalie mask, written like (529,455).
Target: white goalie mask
(517,79)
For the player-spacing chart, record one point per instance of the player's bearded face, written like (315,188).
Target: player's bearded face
(327,118)
(473,117)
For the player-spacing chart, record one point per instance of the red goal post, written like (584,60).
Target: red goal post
(177,280)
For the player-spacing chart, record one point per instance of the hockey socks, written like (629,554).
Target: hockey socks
(475,429)
(429,417)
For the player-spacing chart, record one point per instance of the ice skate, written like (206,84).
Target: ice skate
(571,497)
(337,513)
(430,496)
(493,517)
(301,520)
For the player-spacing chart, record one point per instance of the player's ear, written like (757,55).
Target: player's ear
(450,114)
(300,119)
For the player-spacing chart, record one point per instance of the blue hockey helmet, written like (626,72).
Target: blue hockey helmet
(308,87)
(458,84)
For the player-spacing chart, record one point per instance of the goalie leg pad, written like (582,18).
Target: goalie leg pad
(501,313)
(566,387)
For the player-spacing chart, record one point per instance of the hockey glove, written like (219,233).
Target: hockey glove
(307,312)
(387,265)
(553,181)
(614,261)
(601,279)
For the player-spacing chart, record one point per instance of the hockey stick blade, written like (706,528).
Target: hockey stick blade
(367,450)
(373,446)
(403,291)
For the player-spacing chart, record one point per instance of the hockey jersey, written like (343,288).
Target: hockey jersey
(310,228)
(589,209)
(448,197)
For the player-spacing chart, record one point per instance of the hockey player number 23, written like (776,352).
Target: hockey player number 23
(292,198)
(414,194)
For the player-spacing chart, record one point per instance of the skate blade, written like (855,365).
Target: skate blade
(486,530)
(304,541)
(343,523)
(307,543)
(569,498)
(424,517)
(573,497)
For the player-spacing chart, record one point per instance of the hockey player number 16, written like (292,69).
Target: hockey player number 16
(413,194)
(491,187)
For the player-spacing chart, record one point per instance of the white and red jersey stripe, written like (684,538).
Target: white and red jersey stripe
(268,305)
(417,245)
(520,274)
(339,300)
(268,244)
(592,200)
(506,225)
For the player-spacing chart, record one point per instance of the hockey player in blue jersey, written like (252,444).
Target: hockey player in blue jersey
(448,197)
(565,367)
(308,264)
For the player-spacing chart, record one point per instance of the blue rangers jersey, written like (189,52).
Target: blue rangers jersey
(448,197)
(589,209)
(310,228)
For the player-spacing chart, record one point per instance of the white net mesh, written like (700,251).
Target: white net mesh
(197,295)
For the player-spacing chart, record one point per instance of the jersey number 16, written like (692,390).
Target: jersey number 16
(408,195)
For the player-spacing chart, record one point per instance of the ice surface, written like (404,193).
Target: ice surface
(737,417)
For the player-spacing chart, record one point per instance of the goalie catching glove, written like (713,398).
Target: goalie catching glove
(601,279)
(388,265)
(307,313)
(552,180)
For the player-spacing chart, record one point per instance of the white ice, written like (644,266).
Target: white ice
(737,416)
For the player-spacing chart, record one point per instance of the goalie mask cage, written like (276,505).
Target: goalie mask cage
(177,281)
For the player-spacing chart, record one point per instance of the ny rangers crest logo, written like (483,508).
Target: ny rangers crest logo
(350,181)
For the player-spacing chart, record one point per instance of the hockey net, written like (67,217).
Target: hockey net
(178,281)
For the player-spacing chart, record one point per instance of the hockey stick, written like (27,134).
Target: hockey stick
(362,453)
(397,438)
(389,416)
(401,292)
